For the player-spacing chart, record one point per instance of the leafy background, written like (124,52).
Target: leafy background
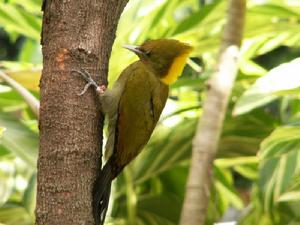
(257,171)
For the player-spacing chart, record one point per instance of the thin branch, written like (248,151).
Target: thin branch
(29,98)
(206,140)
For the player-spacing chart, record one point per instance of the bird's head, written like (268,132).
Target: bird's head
(164,57)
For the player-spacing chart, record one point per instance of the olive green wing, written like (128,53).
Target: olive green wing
(140,106)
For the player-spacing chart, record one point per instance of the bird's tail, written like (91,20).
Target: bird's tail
(101,193)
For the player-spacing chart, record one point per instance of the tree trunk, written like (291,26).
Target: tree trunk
(75,35)
(210,125)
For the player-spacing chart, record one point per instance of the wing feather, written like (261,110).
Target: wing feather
(141,104)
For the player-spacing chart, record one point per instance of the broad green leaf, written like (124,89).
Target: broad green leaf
(29,196)
(283,77)
(4,88)
(293,191)
(282,141)
(4,152)
(7,171)
(229,196)
(14,19)
(27,78)
(225,190)
(15,214)
(31,52)
(247,171)
(240,136)
(11,101)
(279,163)
(269,26)
(273,42)
(2,129)
(162,155)
(19,139)
(165,205)
(237,161)
(188,82)
(295,92)
(290,196)
(31,6)
(249,67)
(195,19)
(274,10)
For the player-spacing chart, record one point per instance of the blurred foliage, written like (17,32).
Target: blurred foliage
(257,171)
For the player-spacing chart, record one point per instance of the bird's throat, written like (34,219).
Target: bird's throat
(175,69)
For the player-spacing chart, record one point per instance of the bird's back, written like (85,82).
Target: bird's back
(141,103)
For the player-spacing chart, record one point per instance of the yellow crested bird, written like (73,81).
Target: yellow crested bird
(133,106)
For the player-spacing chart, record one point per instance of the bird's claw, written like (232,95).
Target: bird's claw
(86,87)
(90,82)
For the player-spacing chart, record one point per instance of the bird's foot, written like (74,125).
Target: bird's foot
(90,82)
(101,88)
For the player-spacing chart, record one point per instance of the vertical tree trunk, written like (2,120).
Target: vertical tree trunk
(210,125)
(76,34)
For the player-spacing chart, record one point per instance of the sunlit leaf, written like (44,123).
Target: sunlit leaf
(27,78)
(29,197)
(274,10)
(15,19)
(283,77)
(282,141)
(279,163)
(14,214)
(7,171)
(290,196)
(249,67)
(195,18)
(19,139)
(161,156)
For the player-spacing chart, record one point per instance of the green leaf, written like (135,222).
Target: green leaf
(282,141)
(15,214)
(236,161)
(283,77)
(165,151)
(225,189)
(31,52)
(19,139)
(28,78)
(14,19)
(29,197)
(31,6)
(11,101)
(290,196)
(274,10)
(2,129)
(165,205)
(195,19)
(279,160)
(7,171)
(249,67)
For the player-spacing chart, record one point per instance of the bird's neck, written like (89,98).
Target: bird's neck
(175,69)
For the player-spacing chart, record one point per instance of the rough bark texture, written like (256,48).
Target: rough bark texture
(76,34)
(205,142)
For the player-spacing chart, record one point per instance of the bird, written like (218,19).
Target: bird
(133,106)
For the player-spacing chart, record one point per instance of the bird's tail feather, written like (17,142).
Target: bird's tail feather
(101,193)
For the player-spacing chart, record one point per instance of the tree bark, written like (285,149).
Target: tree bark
(207,136)
(75,35)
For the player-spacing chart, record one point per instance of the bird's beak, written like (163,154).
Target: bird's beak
(135,49)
